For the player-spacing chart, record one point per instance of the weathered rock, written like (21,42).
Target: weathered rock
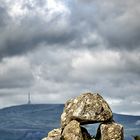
(54,135)
(72,131)
(110,131)
(86,108)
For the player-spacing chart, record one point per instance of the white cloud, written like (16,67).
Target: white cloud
(22,8)
(98,62)
(57,6)
(8,64)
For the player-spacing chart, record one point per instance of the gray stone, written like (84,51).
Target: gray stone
(55,134)
(72,131)
(86,108)
(110,131)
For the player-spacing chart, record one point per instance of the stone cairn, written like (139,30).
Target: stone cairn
(88,108)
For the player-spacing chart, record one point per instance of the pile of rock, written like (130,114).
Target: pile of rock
(87,108)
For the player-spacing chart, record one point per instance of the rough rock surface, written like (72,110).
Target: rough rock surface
(54,135)
(72,131)
(110,131)
(86,108)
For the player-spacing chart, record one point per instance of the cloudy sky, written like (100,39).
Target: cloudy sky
(58,49)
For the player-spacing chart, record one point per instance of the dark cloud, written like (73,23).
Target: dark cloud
(59,49)
(113,24)
(3,16)
(119,24)
(26,32)
(27,39)
(116,23)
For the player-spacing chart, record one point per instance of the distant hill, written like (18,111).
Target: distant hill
(34,121)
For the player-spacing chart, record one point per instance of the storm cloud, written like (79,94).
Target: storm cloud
(59,49)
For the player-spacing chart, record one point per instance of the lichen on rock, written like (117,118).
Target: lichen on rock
(72,131)
(86,108)
(55,134)
(110,131)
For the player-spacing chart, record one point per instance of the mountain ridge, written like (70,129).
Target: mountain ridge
(34,121)
(16,106)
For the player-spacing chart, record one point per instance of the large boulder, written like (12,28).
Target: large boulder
(72,131)
(86,108)
(55,134)
(110,131)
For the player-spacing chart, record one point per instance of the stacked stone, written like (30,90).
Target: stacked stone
(88,108)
